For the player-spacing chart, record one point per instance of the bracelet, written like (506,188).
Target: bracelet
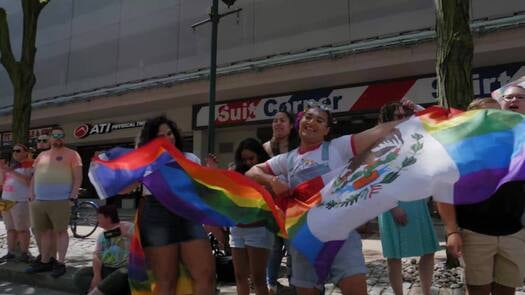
(453,232)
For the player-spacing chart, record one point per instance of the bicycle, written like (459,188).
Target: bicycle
(83,220)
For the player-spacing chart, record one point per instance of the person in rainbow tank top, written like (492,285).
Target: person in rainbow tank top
(315,157)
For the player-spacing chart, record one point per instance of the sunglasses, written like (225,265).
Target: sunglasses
(57,135)
(17,151)
(41,140)
(512,96)
(312,104)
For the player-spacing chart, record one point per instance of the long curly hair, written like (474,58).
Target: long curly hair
(253,145)
(151,129)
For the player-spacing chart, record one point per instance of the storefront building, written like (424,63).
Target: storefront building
(110,66)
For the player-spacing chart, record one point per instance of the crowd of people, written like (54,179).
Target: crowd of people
(41,189)
(489,237)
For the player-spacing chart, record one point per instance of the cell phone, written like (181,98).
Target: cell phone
(112,233)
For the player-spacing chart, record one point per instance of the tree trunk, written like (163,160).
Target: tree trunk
(21,120)
(21,73)
(454,53)
(455,48)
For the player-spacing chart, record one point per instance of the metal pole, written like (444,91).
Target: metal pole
(214,17)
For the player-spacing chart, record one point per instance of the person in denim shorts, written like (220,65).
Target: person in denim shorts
(316,157)
(168,238)
(250,243)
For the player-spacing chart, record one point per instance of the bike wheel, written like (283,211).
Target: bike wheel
(84,219)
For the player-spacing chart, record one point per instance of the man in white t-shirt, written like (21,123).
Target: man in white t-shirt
(316,157)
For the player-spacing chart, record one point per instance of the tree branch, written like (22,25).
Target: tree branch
(6,52)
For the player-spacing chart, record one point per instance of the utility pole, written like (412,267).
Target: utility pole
(214,18)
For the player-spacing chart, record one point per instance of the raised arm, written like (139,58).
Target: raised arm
(366,139)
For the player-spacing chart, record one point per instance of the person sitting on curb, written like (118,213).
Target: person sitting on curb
(109,273)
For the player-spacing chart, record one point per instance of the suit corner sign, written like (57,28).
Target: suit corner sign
(359,98)
(86,129)
(261,109)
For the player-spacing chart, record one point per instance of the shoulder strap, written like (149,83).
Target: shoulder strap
(325,155)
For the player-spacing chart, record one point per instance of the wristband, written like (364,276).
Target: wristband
(453,232)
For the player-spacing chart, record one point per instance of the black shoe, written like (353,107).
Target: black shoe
(53,260)
(8,256)
(59,269)
(39,267)
(37,260)
(26,258)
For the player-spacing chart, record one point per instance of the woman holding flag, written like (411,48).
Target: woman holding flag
(250,243)
(169,239)
(316,157)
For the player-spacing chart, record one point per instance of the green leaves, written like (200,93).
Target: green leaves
(417,136)
(390,177)
(408,161)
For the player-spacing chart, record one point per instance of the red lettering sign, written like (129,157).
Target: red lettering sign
(237,112)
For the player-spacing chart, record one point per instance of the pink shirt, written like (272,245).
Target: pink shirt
(53,178)
(16,189)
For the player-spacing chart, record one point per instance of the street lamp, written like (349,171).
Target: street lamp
(214,19)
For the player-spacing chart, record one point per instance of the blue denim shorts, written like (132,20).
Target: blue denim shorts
(348,262)
(160,227)
(258,237)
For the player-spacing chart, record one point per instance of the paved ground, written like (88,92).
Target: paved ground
(8,288)
(79,255)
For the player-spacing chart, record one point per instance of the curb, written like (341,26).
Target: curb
(15,272)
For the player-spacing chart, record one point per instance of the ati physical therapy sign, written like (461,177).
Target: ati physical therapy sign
(361,98)
(85,130)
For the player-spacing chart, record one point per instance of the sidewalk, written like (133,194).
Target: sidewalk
(80,255)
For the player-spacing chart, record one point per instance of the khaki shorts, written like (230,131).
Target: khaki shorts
(17,218)
(489,259)
(50,215)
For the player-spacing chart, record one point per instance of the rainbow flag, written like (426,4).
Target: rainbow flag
(456,157)
(203,195)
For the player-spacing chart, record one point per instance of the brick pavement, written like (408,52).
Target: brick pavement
(80,253)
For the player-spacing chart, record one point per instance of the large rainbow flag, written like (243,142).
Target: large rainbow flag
(203,195)
(456,157)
